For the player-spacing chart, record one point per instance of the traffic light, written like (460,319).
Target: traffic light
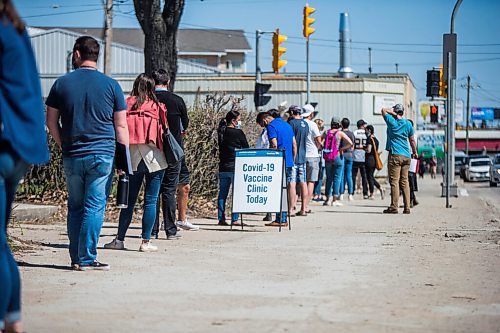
(278,51)
(307,30)
(434,114)
(433,83)
(259,96)
(443,86)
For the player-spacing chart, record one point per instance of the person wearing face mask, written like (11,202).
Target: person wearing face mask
(231,137)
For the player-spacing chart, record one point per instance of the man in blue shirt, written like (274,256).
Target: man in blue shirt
(399,132)
(92,111)
(280,137)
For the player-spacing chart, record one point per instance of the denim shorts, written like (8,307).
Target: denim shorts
(298,173)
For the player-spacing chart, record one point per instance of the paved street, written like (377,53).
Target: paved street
(342,269)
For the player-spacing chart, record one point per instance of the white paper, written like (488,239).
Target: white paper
(413,165)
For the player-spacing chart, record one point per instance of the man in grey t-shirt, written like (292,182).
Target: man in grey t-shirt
(313,143)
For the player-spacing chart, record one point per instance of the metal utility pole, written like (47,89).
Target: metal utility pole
(449,46)
(258,74)
(108,36)
(468,116)
(370,60)
(308,74)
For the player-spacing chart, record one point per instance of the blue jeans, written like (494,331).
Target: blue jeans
(225,181)
(87,178)
(12,169)
(347,177)
(151,191)
(333,176)
(319,183)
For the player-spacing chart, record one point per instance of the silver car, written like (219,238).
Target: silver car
(478,169)
(495,171)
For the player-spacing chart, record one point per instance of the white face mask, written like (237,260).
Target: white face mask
(238,124)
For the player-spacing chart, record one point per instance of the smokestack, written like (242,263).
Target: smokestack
(345,69)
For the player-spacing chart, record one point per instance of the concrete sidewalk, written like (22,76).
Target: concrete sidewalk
(341,269)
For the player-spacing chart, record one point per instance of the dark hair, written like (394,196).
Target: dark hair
(8,12)
(144,88)
(161,77)
(264,114)
(230,116)
(411,122)
(334,125)
(370,129)
(88,48)
(345,123)
(274,113)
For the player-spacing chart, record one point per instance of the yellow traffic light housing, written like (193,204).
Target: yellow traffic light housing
(443,85)
(307,30)
(278,51)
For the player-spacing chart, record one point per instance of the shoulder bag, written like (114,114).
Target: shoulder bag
(171,148)
(378,162)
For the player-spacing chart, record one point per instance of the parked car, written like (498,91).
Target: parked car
(478,169)
(495,171)
(466,161)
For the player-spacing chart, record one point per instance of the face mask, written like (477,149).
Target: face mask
(238,124)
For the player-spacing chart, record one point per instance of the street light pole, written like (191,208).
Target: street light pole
(468,116)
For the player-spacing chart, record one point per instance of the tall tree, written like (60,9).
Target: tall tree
(160,32)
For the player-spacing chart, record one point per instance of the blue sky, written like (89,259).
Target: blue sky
(398,31)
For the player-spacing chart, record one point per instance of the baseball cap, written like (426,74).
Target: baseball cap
(360,123)
(294,109)
(307,110)
(398,108)
(335,120)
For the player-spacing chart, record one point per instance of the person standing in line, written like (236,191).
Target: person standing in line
(422,166)
(280,135)
(313,144)
(300,131)
(372,149)
(433,166)
(231,137)
(92,110)
(412,177)
(359,156)
(346,176)
(145,117)
(174,190)
(263,143)
(334,161)
(399,132)
(319,183)
(23,141)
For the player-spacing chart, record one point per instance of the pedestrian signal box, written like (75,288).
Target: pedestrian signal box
(434,114)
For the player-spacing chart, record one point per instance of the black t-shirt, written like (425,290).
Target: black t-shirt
(232,139)
(371,155)
(177,116)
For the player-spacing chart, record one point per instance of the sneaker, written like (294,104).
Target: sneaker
(115,244)
(96,265)
(75,266)
(147,247)
(406,211)
(365,197)
(351,197)
(186,225)
(174,237)
(268,217)
(415,202)
(341,197)
(337,203)
(371,197)
(224,223)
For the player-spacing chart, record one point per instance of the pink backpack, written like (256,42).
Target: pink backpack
(330,150)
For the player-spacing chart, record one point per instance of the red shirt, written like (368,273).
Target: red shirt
(145,123)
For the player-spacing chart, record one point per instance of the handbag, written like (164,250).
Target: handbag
(171,148)
(378,162)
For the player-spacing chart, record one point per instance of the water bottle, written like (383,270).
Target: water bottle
(122,192)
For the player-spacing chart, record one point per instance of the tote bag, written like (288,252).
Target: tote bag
(378,162)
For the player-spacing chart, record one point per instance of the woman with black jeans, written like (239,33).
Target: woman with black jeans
(371,150)
(231,137)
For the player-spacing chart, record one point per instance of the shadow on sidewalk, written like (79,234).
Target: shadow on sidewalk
(27,264)
(352,212)
(55,246)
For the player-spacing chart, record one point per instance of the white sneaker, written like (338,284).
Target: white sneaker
(115,244)
(186,225)
(148,247)
(351,197)
(341,197)
(337,203)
